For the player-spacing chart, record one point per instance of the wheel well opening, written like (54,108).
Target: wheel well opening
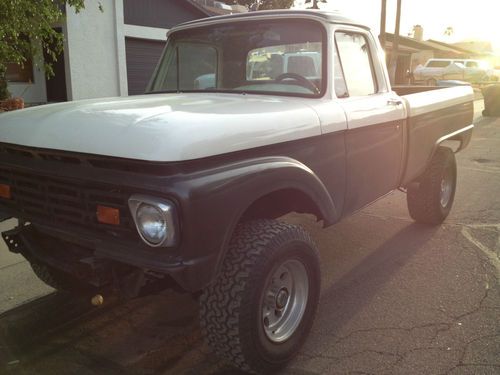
(282,202)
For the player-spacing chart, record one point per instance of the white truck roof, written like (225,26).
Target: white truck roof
(326,16)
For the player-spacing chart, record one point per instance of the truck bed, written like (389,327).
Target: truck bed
(434,114)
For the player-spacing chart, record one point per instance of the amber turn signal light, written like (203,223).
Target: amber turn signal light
(108,215)
(5,191)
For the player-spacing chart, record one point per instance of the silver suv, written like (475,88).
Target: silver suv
(460,69)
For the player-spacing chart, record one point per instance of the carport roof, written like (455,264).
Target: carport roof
(428,45)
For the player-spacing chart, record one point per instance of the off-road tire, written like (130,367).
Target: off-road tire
(424,195)
(230,312)
(56,279)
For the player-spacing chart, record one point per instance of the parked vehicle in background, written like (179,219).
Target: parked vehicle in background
(263,65)
(306,63)
(185,187)
(453,69)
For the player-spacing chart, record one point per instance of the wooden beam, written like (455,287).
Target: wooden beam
(395,45)
(383,19)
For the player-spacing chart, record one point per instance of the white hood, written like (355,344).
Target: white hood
(161,127)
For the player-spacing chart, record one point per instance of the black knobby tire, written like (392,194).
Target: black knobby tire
(57,279)
(232,306)
(431,197)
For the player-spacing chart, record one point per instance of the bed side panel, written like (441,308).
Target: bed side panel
(433,115)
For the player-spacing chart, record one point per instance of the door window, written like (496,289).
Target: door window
(356,62)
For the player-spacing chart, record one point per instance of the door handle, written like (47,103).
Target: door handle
(395,102)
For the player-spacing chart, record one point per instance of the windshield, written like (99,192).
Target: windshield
(279,57)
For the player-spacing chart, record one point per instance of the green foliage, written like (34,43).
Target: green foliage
(275,4)
(262,4)
(26,31)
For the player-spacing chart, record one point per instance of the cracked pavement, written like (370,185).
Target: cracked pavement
(397,298)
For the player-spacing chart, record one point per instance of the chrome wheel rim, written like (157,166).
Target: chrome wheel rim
(446,189)
(284,300)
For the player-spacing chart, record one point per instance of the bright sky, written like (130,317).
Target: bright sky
(476,19)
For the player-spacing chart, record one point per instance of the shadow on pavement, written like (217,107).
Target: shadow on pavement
(60,334)
(25,327)
(160,334)
(361,284)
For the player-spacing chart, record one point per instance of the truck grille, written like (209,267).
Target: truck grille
(59,202)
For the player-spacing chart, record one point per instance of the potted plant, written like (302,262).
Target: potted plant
(8,103)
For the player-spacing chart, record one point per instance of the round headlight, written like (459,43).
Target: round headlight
(151,223)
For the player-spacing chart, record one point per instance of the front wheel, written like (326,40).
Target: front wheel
(431,197)
(260,309)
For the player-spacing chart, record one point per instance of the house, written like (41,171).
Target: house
(415,51)
(106,53)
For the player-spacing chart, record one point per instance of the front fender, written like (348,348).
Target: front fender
(217,198)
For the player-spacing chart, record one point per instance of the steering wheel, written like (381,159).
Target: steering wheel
(301,80)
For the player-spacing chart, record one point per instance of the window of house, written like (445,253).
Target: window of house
(20,73)
(356,62)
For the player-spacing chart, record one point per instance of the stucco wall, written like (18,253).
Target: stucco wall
(92,51)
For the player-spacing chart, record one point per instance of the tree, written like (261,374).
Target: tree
(315,3)
(262,4)
(26,31)
(449,31)
(272,4)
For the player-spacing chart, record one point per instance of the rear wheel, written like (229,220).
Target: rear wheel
(431,197)
(260,309)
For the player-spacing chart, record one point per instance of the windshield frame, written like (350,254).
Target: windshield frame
(322,27)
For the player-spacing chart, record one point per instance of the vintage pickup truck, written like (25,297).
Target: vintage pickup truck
(183,186)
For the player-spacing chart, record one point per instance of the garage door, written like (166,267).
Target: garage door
(142,57)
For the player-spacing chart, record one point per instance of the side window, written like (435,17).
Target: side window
(338,78)
(356,62)
(472,64)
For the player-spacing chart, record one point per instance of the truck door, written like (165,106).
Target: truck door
(375,120)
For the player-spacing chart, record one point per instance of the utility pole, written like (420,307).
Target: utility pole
(383,18)
(395,46)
